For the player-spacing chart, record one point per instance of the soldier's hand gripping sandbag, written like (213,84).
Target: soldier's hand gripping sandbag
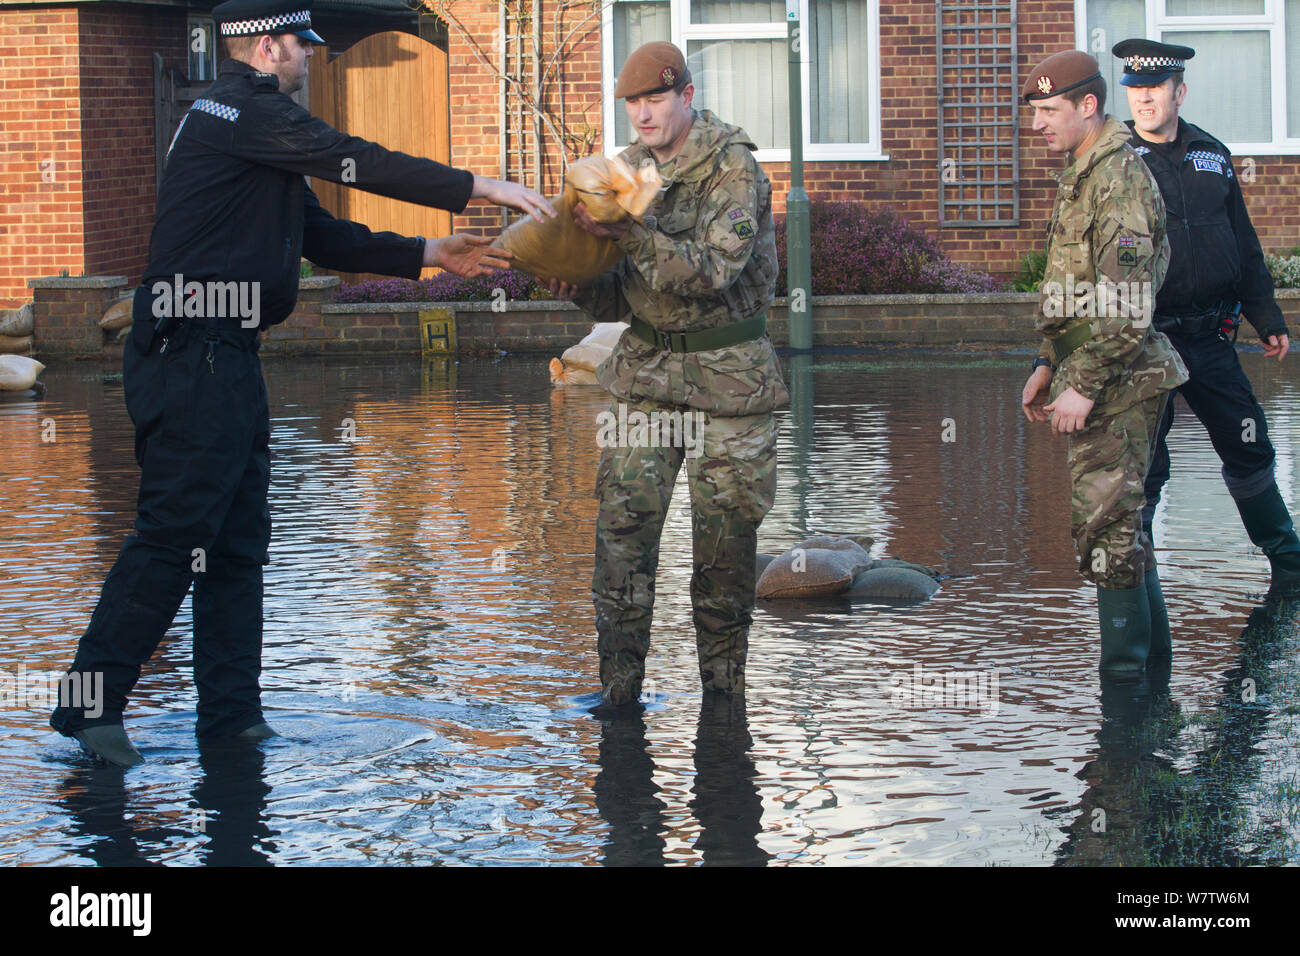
(560,248)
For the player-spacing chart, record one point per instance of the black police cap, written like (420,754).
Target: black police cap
(1148,63)
(250,18)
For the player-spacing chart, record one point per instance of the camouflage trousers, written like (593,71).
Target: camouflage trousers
(731,468)
(1108,464)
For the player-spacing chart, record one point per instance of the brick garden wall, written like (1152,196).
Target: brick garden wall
(68,311)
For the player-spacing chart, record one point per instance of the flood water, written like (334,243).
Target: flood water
(429,651)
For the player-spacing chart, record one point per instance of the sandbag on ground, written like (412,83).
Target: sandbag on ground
(563,375)
(17,322)
(118,315)
(578,364)
(18,373)
(818,566)
(15,344)
(561,249)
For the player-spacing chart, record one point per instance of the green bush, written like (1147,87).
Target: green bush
(1032,267)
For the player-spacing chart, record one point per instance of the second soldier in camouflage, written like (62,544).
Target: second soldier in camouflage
(1103,374)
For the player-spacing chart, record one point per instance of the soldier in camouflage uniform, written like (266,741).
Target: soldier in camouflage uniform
(696,284)
(1103,375)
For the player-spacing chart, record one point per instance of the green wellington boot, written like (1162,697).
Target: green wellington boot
(1125,619)
(109,742)
(1269,525)
(1162,648)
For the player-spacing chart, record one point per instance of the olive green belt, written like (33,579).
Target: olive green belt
(1071,339)
(703,340)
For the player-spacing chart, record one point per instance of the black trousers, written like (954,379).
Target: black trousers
(201,432)
(1219,394)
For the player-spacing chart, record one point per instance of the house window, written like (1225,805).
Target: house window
(1239,87)
(202,41)
(736,52)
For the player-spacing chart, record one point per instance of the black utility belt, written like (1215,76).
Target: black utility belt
(702,341)
(1224,319)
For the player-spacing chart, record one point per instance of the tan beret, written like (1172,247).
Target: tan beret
(1060,73)
(652,68)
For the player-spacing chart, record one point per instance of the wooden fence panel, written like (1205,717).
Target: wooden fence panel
(390,88)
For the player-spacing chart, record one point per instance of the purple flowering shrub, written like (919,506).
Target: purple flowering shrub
(858,250)
(444,287)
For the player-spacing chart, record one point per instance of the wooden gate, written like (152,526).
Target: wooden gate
(391,88)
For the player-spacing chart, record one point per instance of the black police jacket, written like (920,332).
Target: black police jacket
(234,205)
(1215,254)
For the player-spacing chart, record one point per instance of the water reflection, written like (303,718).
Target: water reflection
(429,627)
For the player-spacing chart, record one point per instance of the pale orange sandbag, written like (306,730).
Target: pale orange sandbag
(118,315)
(561,249)
(564,375)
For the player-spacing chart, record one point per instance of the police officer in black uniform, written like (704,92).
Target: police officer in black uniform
(234,219)
(1216,274)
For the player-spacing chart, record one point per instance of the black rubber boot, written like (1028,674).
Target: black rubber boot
(1269,525)
(259,731)
(1161,645)
(109,742)
(1125,619)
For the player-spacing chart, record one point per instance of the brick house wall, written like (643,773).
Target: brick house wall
(908,180)
(76,118)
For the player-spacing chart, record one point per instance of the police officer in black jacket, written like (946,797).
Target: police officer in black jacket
(234,218)
(1216,274)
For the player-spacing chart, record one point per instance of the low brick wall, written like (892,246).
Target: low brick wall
(67,313)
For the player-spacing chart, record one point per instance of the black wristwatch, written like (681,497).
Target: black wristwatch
(1040,362)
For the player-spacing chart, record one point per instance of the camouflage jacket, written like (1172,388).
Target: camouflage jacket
(1108,232)
(704,255)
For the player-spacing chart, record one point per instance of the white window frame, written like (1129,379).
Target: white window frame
(683,31)
(1273,20)
(213,55)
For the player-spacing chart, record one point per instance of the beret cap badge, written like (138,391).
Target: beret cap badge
(1045,84)
(669,76)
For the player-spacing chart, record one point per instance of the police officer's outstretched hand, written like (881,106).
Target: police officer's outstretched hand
(1276,345)
(464,255)
(515,196)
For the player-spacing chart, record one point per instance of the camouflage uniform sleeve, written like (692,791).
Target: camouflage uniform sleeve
(716,250)
(602,298)
(1129,246)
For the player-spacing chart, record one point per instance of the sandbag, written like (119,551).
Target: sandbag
(596,347)
(18,373)
(561,249)
(894,584)
(562,374)
(821,565)
(15,344)
(17,321)
(118,316)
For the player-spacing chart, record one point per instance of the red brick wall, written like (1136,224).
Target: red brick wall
(40,148)
(475,134)
(909,180)
(76,94)
(117,117)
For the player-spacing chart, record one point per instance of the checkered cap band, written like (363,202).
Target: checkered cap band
(1149,64)
(217,109)
(242,28)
